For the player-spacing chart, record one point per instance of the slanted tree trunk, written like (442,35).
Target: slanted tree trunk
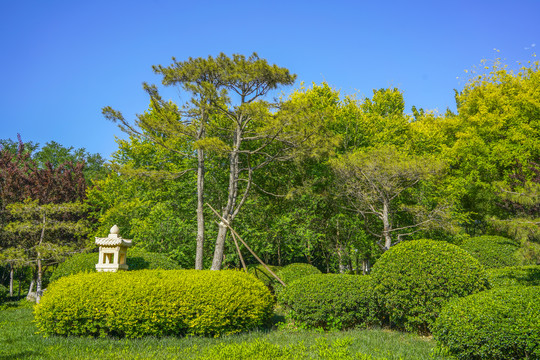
(229,212)
(226,214)
(30,288)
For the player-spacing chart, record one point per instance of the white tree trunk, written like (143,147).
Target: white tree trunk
(228,213)
(387,227)
(11,275)
(39,281)
(200,214)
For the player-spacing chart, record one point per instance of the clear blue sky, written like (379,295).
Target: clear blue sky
(62,61)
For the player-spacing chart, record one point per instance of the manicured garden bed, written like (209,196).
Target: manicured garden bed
(18,340)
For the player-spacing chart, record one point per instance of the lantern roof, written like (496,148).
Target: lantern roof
(113,239)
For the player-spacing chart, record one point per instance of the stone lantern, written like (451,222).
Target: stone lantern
(112,252)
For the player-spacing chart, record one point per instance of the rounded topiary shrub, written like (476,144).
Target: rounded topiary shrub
(492,251)
(414,279)
(262,274)
(502,323)
(4,292)
(329,300)
(292,272)
(514,275)
(154,302)
(136,260)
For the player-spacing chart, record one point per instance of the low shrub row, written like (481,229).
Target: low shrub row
(4,292)
(154,302)
(430,287)
(408,287)
(137,259)
(492,251)
(423,286)
(502,324)
(329,301)
(514,275)
(295,271)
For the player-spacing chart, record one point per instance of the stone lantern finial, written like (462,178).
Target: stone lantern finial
(112,251)
(115,230)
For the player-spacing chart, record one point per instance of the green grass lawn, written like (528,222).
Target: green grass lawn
(18,340)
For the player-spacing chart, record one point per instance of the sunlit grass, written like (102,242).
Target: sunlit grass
(18,340)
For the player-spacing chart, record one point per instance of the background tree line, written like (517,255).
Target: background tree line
(315,176)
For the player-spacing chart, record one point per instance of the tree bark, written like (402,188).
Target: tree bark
(200,214)
(386,227)
(220,247)
(20,282)
(228,213)
(11,275)
(39,276)
(30,288)
(340,258)
(39,280)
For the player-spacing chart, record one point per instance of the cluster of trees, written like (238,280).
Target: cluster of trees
(42,215)
(316,176)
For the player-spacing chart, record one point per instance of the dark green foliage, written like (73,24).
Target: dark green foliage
(293,272)
(136,260)
(3,293)
(492,251)
(296,271)
(415,279)
(329,300)
(502,323)
(262,274)
(74,265)
(140,259)
(515,275)
(154,302)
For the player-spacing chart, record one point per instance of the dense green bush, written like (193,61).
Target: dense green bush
(515,275)
(329,300)
(4,292)
(492,251)
(154,302)
(262,274)
(136,260)
(413,280)
(292,272)
(502,323)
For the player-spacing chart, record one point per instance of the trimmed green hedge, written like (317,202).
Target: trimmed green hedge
(136,260)
(329,300)
(292,272)
(502,323)
(4,292)
(414,279)
(515,275)
(492,251)
(154,302)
